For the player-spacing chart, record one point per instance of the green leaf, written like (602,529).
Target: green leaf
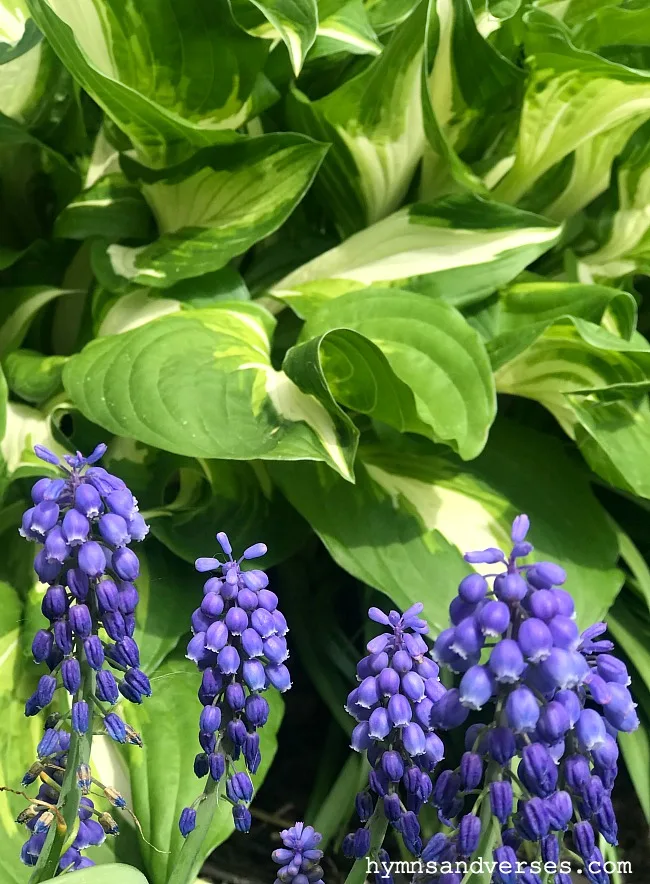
(111,208)
(385,15)
(164,76)
(428,371)
(13,18)
(25,428)
(404,525)
(216,205)
(572,97)
(293,21)
(111,873)
(170,383)
(17,309)
(32,376)
(456,101)
(374,122)
(344,26)
(162,780)
(460,247)
(610,24)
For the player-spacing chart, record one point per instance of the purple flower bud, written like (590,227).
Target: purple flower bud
(435,751)
(187,821)
(488,556)
(379,725)
(80,620)
(469,834)
(228,660)
(48,572)
(138,681)
(565,669)
(217,765)
(236,620)
(87,501)
(606,821)
(507,864)
(210,720)
(75,527)
(239,788)
(107,596)
(472,588)
(267,599)
(91,559)
(459,609)
(392,765)
(367,695)
(388,682)
(510,587)
(468,638)
(254,675)
(612,669)
(125,564)
(43,518)
(446,788)
(535,639)
(590,729)
(361,740)
(242,818)
(279,677)
(263,622)
(522,710)
(537,770)
(592,794)
(56,549)
(247,600)
(201,765)
(115,625)
(399,710)
(78,584)
(71,675)
(471,770)
(45,690)
(401,662)
(256,710)
(507,661)
(449,712)
(392,808)
(414,740)
(107,687)
(115,727)
(476,687)
(252,754)
(252,643)
(544,575)
(501,800)
(620,706)
(571,703)
(534,819)
(565,632)
(520,528)
(62,640)
(543,604)
(599,689)
(494,618)
(256,551)
(42,645)
(584,839)
(435,848)
(215,638)
(361,843)
(413,686)
(80,717)
(409,826)
(275,649)
(55,603)
(553,722)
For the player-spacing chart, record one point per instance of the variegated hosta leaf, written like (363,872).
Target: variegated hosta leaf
(572,96)
(431,373)
(454,98)
(216,205)
(112,208)
(26,427)
(624,228)
(344,26)
(13,19)
(30,73)
(593,382)
(292,21)
(166,73)
(17,308)
(404,525)
(459,248)
(374,122)
(613,25)
(384,15)
(201,383)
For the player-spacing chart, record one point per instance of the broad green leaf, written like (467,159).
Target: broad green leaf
(611,24)
(13,19)
(624,232)
(459,247)
(27,80)
(344,26)
(162,778)
(437,380)
(112,873)
(539,301)
(32,376)
(293,21)
(18,735)
(25,428)
(216,205)
(111,208)
(572,96)
(374,122)
(385,15)
(200,383)
(166,74)
(404,525)
(17,308)
(455,99)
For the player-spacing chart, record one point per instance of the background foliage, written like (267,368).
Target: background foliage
(361,278)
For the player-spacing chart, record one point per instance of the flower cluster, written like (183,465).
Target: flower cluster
(548,759)
(85,519)
(43,812)
(240,647)
(393,702)
(300,858)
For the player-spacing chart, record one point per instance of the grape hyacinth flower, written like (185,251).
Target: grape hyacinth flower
(547,761)
(299,858)
(85,520)
(239,646)
(392,704)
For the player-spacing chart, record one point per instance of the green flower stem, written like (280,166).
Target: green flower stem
(378,825)
(189,858)
(70,795)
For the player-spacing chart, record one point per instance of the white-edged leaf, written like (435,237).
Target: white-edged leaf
(13,19)
(293,21)
(344,27)
(216,205)
(459,247)
(112,208)
(25,428)
(201,383)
